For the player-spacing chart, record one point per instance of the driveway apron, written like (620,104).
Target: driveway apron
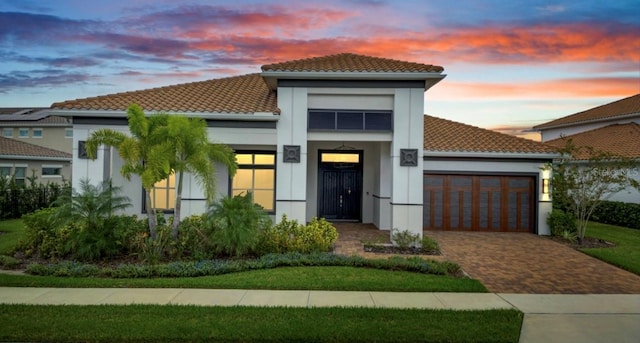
(526,263)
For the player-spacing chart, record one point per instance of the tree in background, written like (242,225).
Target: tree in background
(584,177)
(145,152)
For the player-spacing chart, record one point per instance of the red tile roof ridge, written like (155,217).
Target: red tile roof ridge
(621,107)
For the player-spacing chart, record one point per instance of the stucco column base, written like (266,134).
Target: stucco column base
(293,209)
(407,217)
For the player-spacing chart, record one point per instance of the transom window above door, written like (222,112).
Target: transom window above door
(350,120)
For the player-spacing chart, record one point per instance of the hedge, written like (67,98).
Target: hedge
(618,213)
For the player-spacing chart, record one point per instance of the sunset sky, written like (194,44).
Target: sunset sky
(509,64)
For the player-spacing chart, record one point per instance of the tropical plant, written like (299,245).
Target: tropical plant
(237,223)
(91,216)
(584,177)
(290,236)
(193,153)
(145,152)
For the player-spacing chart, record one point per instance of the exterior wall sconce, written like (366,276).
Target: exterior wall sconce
(545,186)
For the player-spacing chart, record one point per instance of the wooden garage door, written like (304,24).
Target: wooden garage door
(478,203)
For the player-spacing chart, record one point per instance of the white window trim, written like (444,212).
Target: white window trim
(51,166)
(7,128)
(33,133)
(67,130)
(23,128)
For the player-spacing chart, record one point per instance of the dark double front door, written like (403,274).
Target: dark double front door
(340,189)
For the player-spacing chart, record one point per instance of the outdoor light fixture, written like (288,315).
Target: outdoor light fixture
(545,186)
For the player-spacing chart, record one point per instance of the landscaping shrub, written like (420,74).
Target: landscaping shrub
(429,243)
(404,239)
(217,267)
(290,236)
(561,223)
(8,262)
(237,224)
(43,237)
(618,213)
(194,240)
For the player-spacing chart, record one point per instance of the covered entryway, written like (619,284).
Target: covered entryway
(340,185)
(479,202)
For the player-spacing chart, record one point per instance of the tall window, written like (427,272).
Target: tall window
(68,133)
(163,194)
(20,174)
(256,174)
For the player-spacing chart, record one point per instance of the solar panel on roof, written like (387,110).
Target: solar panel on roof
(28,115)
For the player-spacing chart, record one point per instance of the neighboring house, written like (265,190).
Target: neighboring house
(342,137)
(37,126)
(612,128)
(22,160)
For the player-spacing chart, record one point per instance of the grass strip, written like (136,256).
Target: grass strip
(11,231)
(300,278)
(152,323)
(625,255)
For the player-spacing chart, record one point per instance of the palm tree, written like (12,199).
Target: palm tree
(193,153)
(144,152)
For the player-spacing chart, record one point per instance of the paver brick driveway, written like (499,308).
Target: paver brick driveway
(526,263)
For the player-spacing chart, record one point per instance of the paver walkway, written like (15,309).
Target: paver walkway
(526,263)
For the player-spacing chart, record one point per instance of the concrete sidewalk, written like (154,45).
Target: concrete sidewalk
(548,318)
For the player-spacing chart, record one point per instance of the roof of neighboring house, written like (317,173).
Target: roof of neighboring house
(447,136)
(13,116)
(623,107)
(348,62)
(619,139)
(12,147)
(238,94)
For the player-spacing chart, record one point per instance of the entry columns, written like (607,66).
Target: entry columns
(291,159)
(406,161)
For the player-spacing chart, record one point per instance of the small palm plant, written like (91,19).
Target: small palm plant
(92,212)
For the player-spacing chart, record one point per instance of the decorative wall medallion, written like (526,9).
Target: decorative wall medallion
(291,154)
(409,157)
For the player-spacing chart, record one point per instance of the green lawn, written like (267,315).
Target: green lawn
(151,323)
(10,233)
(307,278)
(625,255)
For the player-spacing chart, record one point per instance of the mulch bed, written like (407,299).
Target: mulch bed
(587,243)
(390,249)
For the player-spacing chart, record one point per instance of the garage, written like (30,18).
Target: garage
(479,202)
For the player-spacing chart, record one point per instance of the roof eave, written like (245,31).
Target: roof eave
(492,154)
(255,116)
(544,126)
(37,158)
(430,78)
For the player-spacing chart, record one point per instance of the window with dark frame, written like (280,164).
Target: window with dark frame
(256,174)
(349,120)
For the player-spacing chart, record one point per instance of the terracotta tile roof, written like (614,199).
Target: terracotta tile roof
(619,139)
(446,135)
(238,94)
(12,147)
(621,107)
(351,63)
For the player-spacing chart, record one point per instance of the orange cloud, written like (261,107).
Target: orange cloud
(560,88)
(515,45)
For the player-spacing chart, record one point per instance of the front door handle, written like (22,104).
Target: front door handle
(340,200)
(349,191)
